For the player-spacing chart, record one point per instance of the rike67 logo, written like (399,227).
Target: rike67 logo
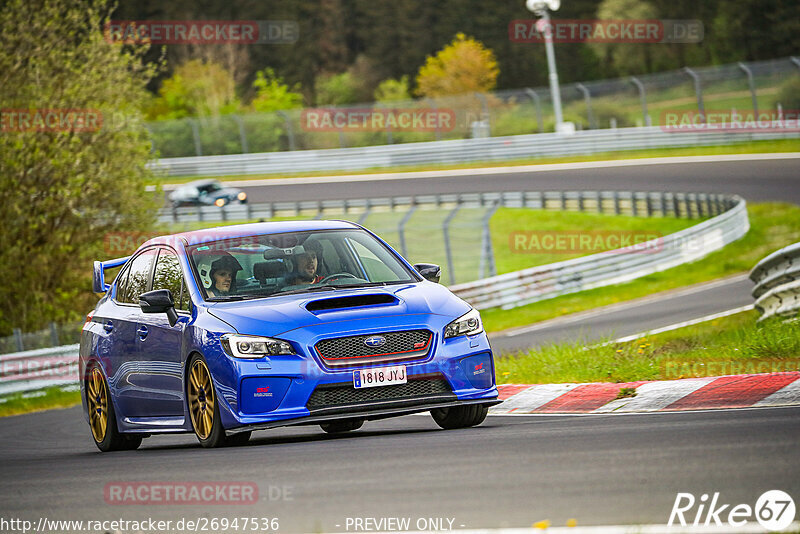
(774,510)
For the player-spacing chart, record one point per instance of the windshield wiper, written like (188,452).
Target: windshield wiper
(304,290)
(229,298)
(362,284)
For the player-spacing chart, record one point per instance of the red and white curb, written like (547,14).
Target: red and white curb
(733,391)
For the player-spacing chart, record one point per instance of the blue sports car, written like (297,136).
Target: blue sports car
(225,331)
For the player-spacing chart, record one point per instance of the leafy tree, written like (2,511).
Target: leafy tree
(393,90)
(336,89)
(197,88)
(272,94)
(463,66)
(64,188)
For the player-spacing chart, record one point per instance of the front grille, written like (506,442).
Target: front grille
(352,350)
(337,395)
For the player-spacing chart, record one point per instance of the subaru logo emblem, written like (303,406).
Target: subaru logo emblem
(375,341)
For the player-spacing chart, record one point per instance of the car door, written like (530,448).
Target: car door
(160,346)
(120,320)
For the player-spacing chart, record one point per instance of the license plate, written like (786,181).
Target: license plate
(380,376)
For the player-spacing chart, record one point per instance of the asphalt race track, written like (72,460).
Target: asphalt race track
(510,471)
(634,317)
(760,180)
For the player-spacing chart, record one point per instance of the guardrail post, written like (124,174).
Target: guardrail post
(699,205)
(242,134)
(689,207)
(436,113)
(580,201)
(698,91)
(538,103)
(648,204)
(587,98)
(663,203)
(487,250)
(447,248)
(53,334)
(363,217)
(617,210)
(401,227)
(676,205)
(563,197)
(18,339)
(751,84)
(485,115)
(634,207)
(643,98)
(599,202)
(289,131)
(198,148)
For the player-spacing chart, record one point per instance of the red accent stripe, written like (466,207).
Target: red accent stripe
(509,390)
(329,359)
(734,391)
(586,398)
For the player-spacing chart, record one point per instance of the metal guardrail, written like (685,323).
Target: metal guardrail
(613,267)
(38,369)
(777,279)
(454,151)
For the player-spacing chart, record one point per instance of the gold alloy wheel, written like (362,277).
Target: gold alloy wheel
(201,399)
(97,397)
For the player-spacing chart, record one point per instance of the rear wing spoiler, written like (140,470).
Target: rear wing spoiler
(98,273)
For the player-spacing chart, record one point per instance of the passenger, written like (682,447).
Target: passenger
(307,264)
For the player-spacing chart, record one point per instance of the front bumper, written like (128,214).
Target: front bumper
(368,413)
(284,390)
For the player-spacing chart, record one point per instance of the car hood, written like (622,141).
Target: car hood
(275,316)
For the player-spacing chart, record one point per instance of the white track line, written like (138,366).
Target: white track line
(505,170)
(580,316)
(676,326)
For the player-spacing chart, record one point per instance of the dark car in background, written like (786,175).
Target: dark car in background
(206,193)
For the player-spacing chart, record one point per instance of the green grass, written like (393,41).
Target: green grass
(772,226)
(538,229)
(731,345)
(754,147)
(45,399)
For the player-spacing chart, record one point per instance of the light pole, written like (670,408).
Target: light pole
(540,8)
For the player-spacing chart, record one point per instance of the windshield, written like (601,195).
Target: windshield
(209,187)
(295,262)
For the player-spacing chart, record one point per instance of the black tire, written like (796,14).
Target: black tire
(203,406)
(102,419)
(337,427)
(460,416)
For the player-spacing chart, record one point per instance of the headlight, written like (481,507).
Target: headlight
(219,202)
(467,324)
(241,196)
(254,346)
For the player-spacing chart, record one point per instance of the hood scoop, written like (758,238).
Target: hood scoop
(353,301)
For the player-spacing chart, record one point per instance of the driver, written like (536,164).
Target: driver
(219,278)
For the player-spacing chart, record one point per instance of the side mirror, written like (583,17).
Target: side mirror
(159,301)
(429,271)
